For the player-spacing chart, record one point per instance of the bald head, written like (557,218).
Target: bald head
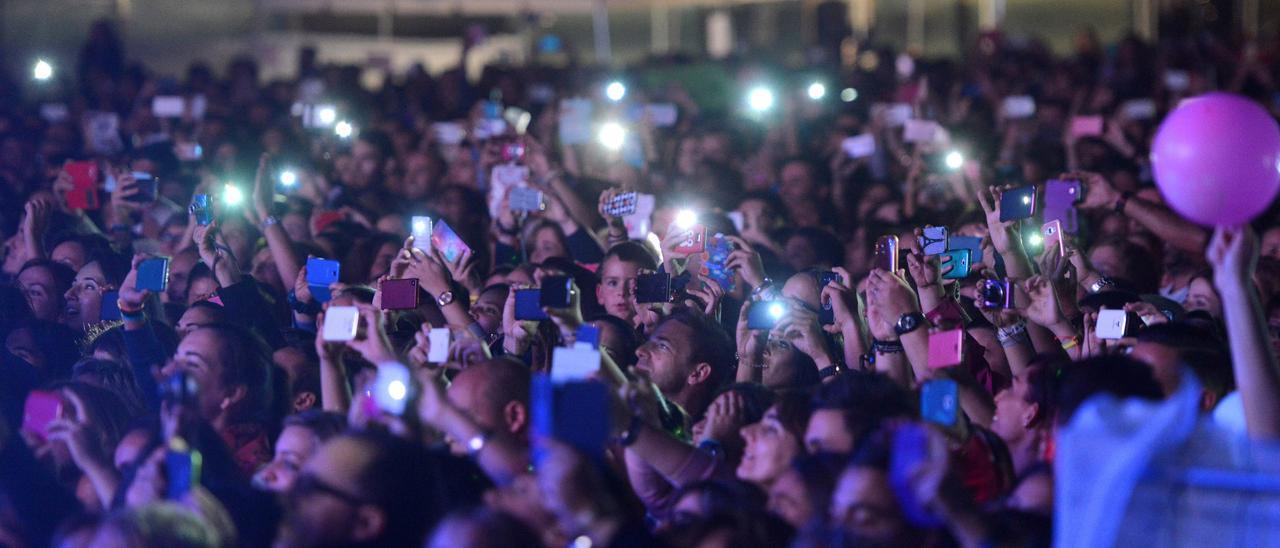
(490,391)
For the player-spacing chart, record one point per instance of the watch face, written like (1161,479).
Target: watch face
(907,323)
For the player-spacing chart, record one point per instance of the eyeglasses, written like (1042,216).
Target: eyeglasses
(307,484)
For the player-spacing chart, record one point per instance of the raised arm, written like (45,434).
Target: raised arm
(1160,220)
(1233,252)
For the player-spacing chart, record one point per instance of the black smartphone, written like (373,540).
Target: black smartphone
(147,187)
(653,288)
(827,315)
(153,274)
(765,314)
(529,305)
(1018,203)
(556,292)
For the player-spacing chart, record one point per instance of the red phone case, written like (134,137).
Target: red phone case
(399,294)
(84,179)
(695,244)
(946,348)
(41,408)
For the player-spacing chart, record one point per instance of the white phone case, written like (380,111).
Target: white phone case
(340,323)
(1111,324)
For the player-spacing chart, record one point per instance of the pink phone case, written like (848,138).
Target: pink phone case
(946,348)
(41,408)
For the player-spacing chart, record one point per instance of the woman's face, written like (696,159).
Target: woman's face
(84,299)
(70,253)
(42,295)
(789,500)
(547,244)
(1201,296)
(382,261)
(770,449)
(264,270)
(200,355)
(294,447)
(864,504)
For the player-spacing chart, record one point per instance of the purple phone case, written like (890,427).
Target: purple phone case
(1060,198)
(399,294)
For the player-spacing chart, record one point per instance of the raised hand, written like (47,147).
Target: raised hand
(746,261)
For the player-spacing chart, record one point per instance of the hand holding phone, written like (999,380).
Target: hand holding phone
(447,242)
(1017,203)
(1051,234)
(933,240)
(995,294)
(621,204)
(886,254)
(556,292)
(766,314)
(956,264)
(341,324)
(202,209)
(420,228)
(528,305)
(1115,324)
(321,273)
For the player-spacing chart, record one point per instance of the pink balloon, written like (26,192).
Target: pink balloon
(1217,159)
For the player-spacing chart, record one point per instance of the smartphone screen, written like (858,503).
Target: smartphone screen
(182,468)
(1017,203)
(40,409)
(440,339)
(528,305)
(202,209)
(621,205)
(447,242)
(153,274)
(653,288)
(718,249)
(933,240)
(940,402)
(575,413)
(886,254)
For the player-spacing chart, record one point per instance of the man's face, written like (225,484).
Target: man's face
(324,503)
(467,394)
(1012,410)
(1163,361)
(797,184)
(864,504)
(666,357)
(617,287)
(826,433)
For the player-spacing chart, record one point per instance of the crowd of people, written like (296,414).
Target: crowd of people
(813,372)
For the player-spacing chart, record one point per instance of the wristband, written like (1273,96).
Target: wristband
(1124,200)
(1008,336)
(1069,344)
(133,316)
(269,221)
(886,347)
(829,371)
(126,309)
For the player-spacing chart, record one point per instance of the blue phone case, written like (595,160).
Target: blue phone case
(529,305)
(153,274)
(718,250)
(575,413)
(589,334)
(972,243)
(960,261)
(320,274)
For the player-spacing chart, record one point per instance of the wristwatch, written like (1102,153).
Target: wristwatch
(444,299)
(908,322)
(268,221)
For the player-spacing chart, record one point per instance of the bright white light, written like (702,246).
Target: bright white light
(232,195)
(612,135)
(419,225)
(1026,200)
(326,115)
(776,310)
(760,99)
(42,71)
(817,91)
(397,390)
(1035,240)
(685,219)
(343,129)
(848,95)
(615,91)
(954,159)
(288,178)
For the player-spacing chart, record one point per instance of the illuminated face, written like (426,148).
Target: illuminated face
(84,299)
(769,451)
(617,287)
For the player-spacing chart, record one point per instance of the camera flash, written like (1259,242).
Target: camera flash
(817,91)
(397,390)
(343,129)
(288,178)
(615,91)
(612,135)
(231,195)
(776,310)
(326,115)
(42,70)
(685,219)
(954,159)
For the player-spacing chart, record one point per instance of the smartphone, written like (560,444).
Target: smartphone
(920,131)
(400,294)
(886,254)
(621,205)
(1087,126)
(1115,324)
(696,242)
(440,339)
(574,364)
(994,294)
(1177,80)
(859,146)
(1051,234)
(147,187)
(1018,203)
(662,114)
(341,323)
(654,288)
(971,243)
(512,152)
(392,388)
(321,273)
(153,274)
(588,335)
(525,200)
(1018,107)
(765,314)
(84,180)
(960,261)
(202,209)
(179,387)
(940,402)
(1060,198)
(575,413)
(168,106)
(182,469)
(933,240)
(420,228)
(528,305)
(110,308)
(1139,109)
(41,408)
(826,314)
(556,292)
(447,242)
(910,451)
(718,249)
